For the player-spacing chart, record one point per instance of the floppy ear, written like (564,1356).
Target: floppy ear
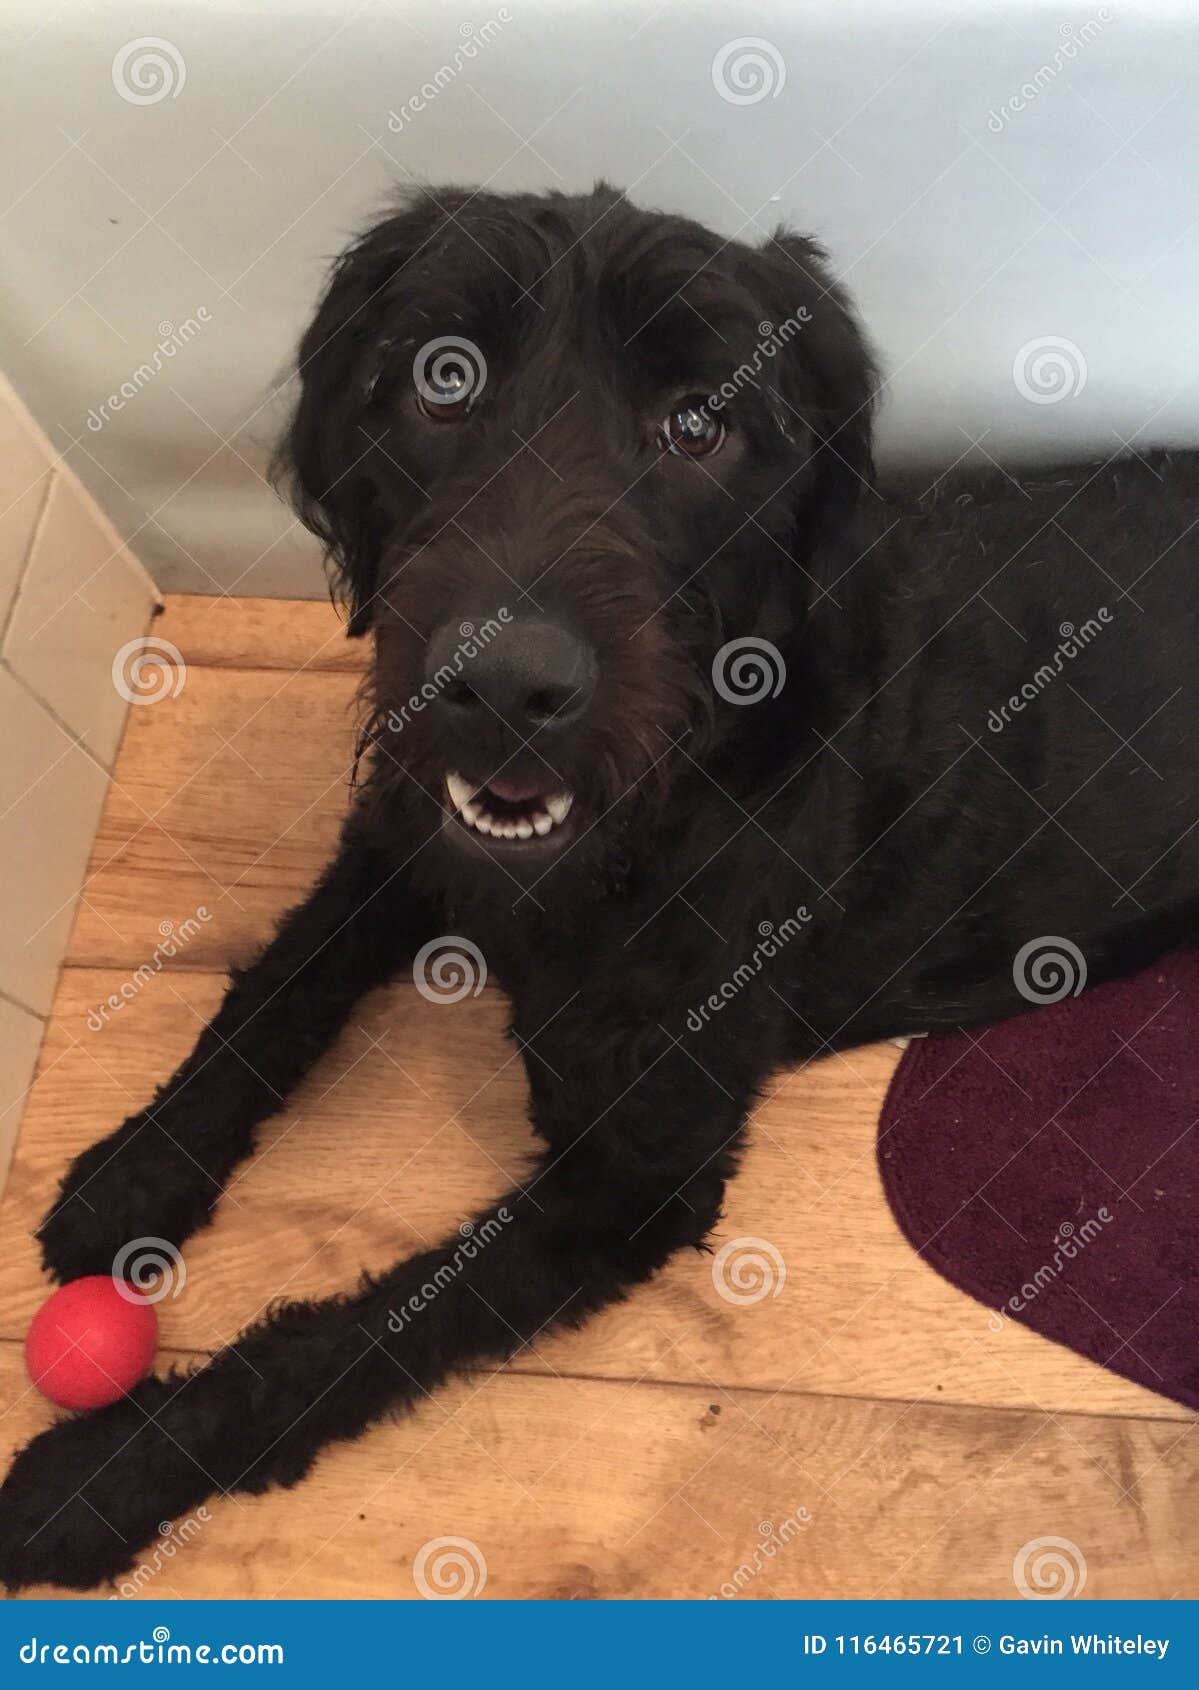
(828,377)
(324,458)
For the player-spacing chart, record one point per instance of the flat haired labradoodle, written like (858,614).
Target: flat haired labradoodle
(718,758)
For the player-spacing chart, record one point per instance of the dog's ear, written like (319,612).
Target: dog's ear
(324,457)
(827,379)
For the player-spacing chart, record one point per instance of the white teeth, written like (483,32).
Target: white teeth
(471,804)
(460,791)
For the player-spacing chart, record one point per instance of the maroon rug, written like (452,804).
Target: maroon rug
(1049,1166)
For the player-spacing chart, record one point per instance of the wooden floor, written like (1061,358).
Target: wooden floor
(648,1455)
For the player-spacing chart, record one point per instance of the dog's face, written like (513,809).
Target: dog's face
(561,453)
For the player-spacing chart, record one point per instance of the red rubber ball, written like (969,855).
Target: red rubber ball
(90,1343)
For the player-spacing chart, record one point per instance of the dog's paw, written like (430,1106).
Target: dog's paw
(76,1240)
(135,1185)
(85,1497)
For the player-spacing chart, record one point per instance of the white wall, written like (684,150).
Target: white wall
(74,606)
(966,229)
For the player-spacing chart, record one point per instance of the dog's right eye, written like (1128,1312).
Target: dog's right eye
(449,374)
(691,431)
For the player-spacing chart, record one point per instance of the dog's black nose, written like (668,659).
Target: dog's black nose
(532,672)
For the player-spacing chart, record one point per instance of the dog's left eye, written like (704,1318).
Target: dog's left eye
(691,431)
(446,396)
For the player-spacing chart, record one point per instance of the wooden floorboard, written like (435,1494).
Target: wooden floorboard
(573,1488)
(233,633)
(224,804)
(418,1115)
(640,1455)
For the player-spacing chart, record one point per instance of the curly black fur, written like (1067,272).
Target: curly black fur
(889,810)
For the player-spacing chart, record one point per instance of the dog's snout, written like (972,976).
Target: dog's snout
(533,672)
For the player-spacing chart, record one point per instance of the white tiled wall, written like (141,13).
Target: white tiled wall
(71,596)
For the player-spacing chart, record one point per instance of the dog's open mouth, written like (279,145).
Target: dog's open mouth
(508,809)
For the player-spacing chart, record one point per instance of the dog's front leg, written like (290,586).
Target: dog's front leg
(628,1179)
(159,1175)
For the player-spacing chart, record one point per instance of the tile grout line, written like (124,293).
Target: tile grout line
(42,1015)
(34,538)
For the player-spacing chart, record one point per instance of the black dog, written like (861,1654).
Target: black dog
(713,688)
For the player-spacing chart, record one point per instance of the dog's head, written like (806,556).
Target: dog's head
(565,457)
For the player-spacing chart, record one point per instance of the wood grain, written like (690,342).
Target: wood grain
(225,799)
(590,1488)
(641,1455)
(235,633)
(418,1115)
